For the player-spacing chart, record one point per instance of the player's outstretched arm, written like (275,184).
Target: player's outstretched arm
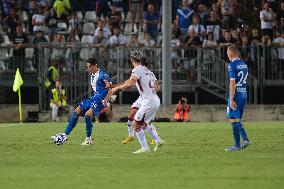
(110,85)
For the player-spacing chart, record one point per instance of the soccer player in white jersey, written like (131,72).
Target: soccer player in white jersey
(147,86)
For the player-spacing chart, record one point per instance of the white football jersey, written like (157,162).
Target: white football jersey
(145,81)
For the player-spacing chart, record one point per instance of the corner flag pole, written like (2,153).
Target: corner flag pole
(17,87)
(20,106)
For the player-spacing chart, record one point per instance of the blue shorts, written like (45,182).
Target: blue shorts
(238,113)
(94,102)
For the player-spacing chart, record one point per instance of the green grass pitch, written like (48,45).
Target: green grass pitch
(193,157)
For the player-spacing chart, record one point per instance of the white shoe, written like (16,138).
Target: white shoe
(141,150)
(159,145)
(87,142)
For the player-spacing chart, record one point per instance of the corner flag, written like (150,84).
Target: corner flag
(18,82)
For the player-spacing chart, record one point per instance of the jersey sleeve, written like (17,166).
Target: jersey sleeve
(106,76)
(231,72)
(136,73)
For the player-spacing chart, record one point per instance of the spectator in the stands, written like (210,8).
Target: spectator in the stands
(267,18)
(32,7)
(115,16)
(254,37)
(62,8)
(19,41)
(197,27)
(203,13)
(280,11)
(228,10)
(216,10)
(134,41)
(184,17)
(73,53)
(209,42)
(151,21)
(39,21)
(101,26)
(12,20)
(213,25)
(52,22)
(37,40)
(227,39)
(135,13)
(74,24)
(117,39)
(147,41)
(279,42)
(100,40)
(245,50)
(192,40)
(280,26)
(102,9)
(6,6)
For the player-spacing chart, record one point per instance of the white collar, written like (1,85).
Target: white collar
(237,58)
(97,73)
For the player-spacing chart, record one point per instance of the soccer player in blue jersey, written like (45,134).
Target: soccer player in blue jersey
(238,73)
(91,106)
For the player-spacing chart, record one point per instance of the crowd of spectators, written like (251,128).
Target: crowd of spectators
(135,23)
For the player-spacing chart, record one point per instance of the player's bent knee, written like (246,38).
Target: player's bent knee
(89,113)
(78,110)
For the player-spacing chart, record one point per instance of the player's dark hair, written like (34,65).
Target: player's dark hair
(92,61)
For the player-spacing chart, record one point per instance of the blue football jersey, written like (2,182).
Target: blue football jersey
(98,84)
(238,70)
(99,93)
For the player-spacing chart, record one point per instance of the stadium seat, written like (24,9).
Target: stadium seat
(89,28)
(87,39)
(90,16)
(4,53)
(86,53)
(62,28)
(1,28)
(24,16)
(29,59)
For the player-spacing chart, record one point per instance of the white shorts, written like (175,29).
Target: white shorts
(147,111)
(137,103)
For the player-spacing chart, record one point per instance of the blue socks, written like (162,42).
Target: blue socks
(236,133)
(243,132)
(239,130)
(89,126)
(72,123)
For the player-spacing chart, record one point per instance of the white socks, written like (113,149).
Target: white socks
(142,139)
(130,128)
(152,132)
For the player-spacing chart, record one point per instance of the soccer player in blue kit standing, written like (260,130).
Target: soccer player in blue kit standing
(91,106)
(238,73)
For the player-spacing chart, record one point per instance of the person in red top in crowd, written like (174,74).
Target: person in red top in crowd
(182,111)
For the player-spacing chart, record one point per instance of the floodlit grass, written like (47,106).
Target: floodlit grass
(193,157)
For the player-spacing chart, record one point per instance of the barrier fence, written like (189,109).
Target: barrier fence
(192,68)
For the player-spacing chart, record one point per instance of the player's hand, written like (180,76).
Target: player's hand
(108,84)
(104,101)
(114,90)
(233,105)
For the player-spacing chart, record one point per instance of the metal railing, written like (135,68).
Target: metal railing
(191,67)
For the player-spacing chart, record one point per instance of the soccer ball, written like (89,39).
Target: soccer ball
(59,139)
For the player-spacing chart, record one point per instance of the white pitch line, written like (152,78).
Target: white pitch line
(9,125)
